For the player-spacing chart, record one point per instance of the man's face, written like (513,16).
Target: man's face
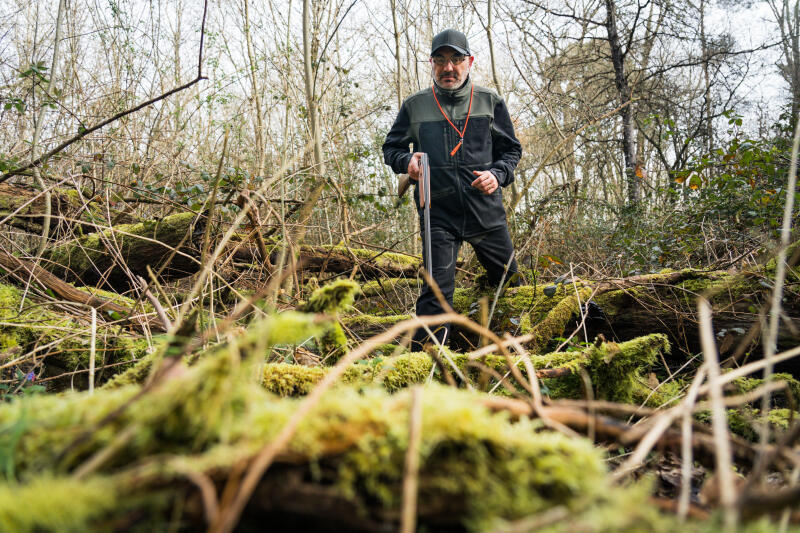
(447,72)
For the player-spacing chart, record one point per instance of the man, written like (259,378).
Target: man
(468,136)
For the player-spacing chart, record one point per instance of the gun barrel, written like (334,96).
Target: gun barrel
(425,203)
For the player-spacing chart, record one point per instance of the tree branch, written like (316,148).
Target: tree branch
(86,131)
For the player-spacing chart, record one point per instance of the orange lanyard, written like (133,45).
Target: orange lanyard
(462,132)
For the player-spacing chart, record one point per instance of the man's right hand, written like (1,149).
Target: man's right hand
(413,166)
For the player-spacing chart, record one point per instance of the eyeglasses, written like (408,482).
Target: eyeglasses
(455,59)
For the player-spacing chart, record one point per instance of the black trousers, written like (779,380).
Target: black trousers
(493,249)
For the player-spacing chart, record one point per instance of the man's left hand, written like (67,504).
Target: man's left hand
(485,182)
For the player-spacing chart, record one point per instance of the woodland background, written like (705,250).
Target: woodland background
(698,138)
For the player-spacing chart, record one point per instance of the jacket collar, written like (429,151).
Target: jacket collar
(455,94)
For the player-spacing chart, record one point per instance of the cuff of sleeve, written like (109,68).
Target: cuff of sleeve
(500,175)
(402,164)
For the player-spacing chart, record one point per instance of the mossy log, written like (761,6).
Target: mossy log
(384,296)
(125,458)
(23,271)
(615,371)
(325,260)
(342,471)
(627,308)
(368,264)
(109,256)
(56,346)
(28,205)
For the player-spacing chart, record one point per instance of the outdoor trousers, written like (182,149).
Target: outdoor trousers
(492,248)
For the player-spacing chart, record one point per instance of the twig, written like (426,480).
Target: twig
(86,131)
(48,205)
(537,521)
(719,419)
(432,351)
(580,304)
(770,339)
(408,519)
(207,492)
(500,287)
(784,523)
(154,301)
(686,446)
(99,458)
(92,351)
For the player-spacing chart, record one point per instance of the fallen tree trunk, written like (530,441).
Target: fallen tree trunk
(53,346)
(23,271)
(117,255)
(627,308)
(326,260)
(615,371)
(344,468)
(27,205)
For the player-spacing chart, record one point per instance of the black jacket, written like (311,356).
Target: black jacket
(489,144)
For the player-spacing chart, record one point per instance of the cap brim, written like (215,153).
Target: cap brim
(454,47)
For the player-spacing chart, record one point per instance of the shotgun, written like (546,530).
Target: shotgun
(425,204)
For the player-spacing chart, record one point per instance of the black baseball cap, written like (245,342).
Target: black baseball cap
(452,38)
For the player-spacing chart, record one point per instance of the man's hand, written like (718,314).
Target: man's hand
(413,166)
(485,181)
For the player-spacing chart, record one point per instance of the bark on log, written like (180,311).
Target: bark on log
(67,209)
(626,308)
(117,255)
(22,270)
(329,260)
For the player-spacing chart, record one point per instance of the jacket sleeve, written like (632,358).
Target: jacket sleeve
(506,148)
(395,147)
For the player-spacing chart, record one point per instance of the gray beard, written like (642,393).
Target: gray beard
(466,80)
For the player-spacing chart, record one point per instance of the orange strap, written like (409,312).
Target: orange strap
(469,110)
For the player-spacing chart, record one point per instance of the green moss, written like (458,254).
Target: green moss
(135,374)
(780,418)
(82,254)
(555,321)
(55,504)
(286,379)
(332,343)
(741,422)
(781,397)
(746,422)
(379,287)
(365,325)
(382,260)
(666,394)
(487,464)
(332,298)
(792,273)
(481,465)
(494,468)
(527,309)
(67,339)
(613,368)
(193,412)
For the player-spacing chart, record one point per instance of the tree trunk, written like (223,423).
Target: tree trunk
(624,93)
(318,170)
(29,206)
(116,255)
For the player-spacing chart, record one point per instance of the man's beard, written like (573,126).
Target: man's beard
(454,87)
